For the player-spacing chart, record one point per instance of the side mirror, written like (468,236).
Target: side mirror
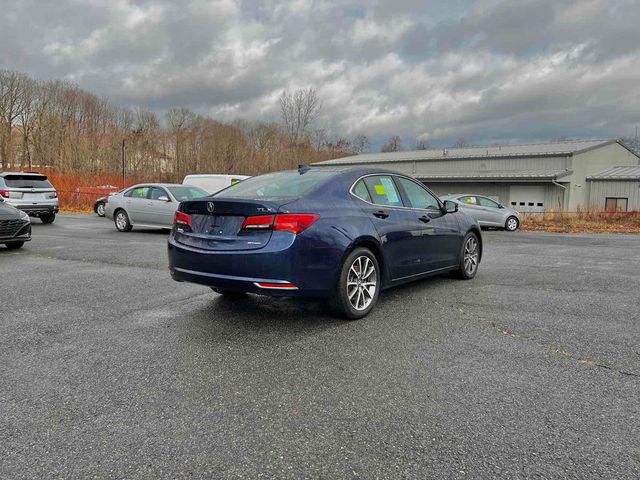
(450,207)
(164,198)
(500,205)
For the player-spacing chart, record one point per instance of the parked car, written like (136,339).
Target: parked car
(213,183)
(486,211)
(30,192)
(100,203)
(344,234)
(148,204)
(15,226)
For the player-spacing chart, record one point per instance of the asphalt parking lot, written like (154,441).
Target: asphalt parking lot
(112,370)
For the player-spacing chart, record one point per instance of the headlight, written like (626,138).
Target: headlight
(24,217)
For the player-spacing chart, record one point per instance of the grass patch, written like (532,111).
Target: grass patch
(582,222)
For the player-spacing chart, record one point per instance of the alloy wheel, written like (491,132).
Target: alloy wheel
(471,254)
(362,281)
(512,224)
(100,209)
(121,221)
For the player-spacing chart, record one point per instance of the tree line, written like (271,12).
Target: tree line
(58,125)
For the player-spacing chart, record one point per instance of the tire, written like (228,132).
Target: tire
(100,209)
(469,257)
(14,245)
(121,221)
(358,285)
(512,224)
(48,217)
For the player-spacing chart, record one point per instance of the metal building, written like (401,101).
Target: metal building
(617,188)
(536,177)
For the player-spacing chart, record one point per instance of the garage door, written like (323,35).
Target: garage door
(527,198)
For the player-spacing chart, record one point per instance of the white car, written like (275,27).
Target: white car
(213,183)
(148,204)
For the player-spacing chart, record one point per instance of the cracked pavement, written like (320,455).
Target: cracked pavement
(112,370)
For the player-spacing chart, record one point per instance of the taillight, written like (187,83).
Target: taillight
(276,286)
(260,222)
(182,219)
(294,222)
(4,193)
(285,222)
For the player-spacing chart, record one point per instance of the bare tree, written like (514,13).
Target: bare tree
(461,143)
(298,111)
(423,144)
(393,145)
(360,144)
(12,104)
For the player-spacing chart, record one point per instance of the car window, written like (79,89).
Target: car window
(157,192)
(471,200)
(418,197)
(138,192)
(383,191)
(487,202)
(27,181)
(360,191)
(186,192)
(288,184)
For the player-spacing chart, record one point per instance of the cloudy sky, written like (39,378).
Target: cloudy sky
(486,70)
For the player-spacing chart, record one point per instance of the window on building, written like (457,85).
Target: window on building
(616,204)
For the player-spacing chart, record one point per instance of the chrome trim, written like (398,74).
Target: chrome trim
(424,273)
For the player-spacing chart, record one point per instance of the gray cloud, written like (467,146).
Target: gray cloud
(489,70)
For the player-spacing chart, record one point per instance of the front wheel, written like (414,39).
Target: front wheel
(48,217)
(512,224)
(100,209)
(122,221)
(14,245)
(359,284)
(469,257)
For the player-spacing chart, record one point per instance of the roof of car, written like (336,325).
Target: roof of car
(35,174)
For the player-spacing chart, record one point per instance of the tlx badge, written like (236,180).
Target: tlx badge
(210,207)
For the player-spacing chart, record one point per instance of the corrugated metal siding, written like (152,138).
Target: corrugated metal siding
(600,190)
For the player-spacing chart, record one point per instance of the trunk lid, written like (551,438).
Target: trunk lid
(216,224)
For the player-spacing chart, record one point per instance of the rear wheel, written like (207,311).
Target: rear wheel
(100,209)
(469,257)
(359,284)
(512,224)
(122,221)
(14,245)
(48,217)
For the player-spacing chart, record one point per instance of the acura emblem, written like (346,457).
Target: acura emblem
(210,207)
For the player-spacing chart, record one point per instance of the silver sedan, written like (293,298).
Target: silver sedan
(148,204)
(486,211)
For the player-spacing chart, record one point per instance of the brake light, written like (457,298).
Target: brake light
(260,222)
(4,193)
(295,222)
(276,286)
(182,219)
(284,222)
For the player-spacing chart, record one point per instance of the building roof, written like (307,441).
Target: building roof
(618,173)
(528,150)
(498,175)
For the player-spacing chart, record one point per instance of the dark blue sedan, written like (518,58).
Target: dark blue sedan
(344,234)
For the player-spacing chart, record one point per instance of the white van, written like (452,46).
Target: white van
(212,183)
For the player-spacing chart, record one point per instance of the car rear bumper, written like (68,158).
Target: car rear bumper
(37,209)
(309,268)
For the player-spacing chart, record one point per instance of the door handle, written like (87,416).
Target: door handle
(424,219)
(381,214)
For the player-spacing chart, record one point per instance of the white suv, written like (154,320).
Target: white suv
(30,192)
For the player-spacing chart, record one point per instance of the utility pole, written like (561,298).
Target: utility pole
(123,164)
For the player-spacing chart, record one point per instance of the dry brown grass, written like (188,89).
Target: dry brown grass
(582,222)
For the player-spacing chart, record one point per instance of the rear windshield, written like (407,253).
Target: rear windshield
(279,184)
(27,181)
(187,193)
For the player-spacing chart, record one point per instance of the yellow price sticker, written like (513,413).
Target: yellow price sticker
(380,189)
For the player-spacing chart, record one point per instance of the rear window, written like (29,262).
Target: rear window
(185,193)
(27,181)
(279,185)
